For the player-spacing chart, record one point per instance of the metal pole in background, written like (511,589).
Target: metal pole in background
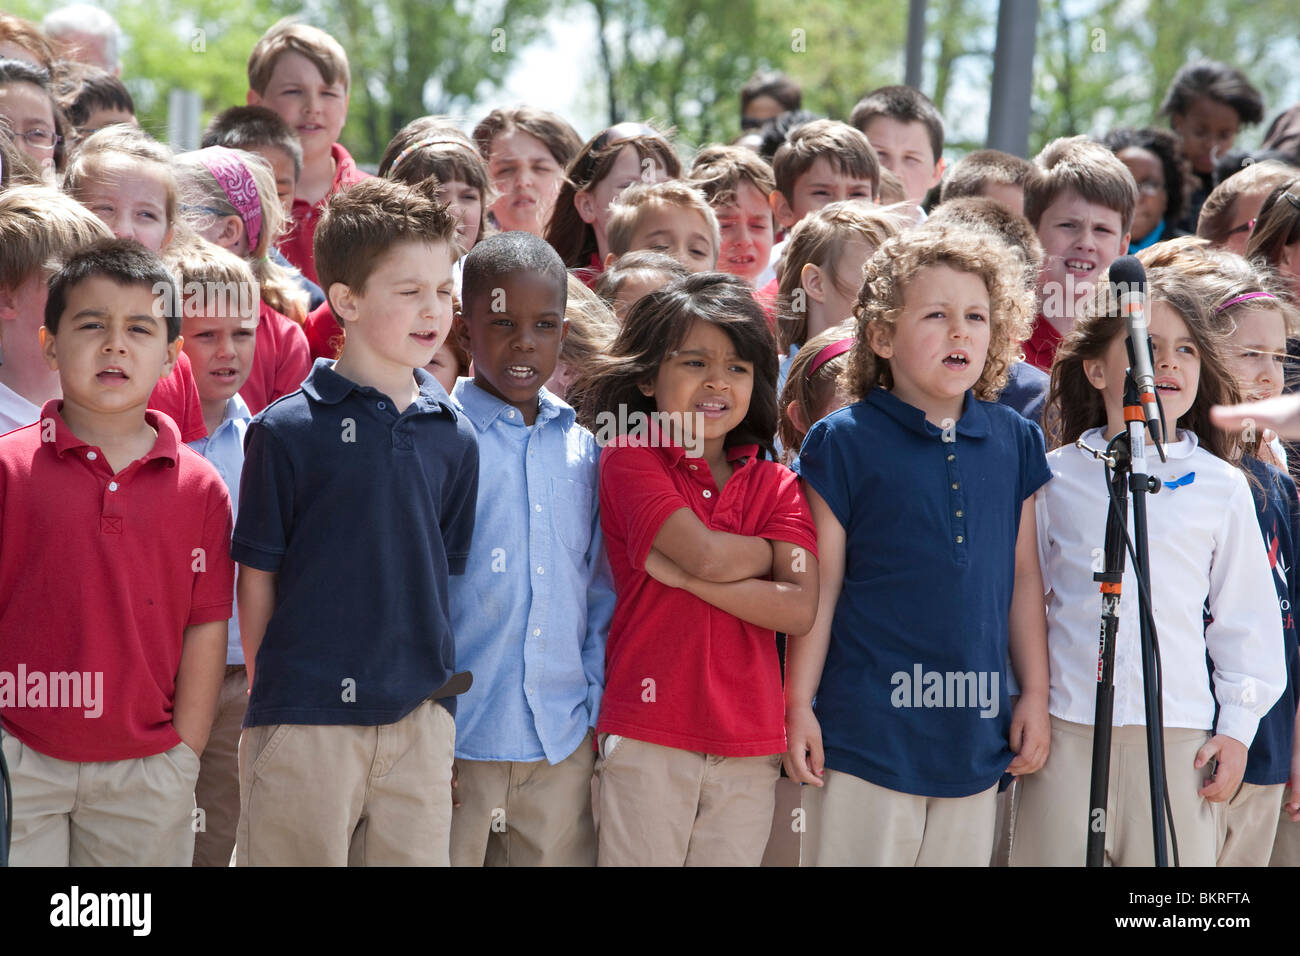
(1013,76)
(915,43)
(184,110)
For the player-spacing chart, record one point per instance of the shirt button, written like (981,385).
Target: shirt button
(91,455)
(382,406)
(537,632)
(510,414)
(960,513)
(955,486)
(960,539)
(694,467)
(540,569)
(707,493)
(532,691)
(112,486)
(537,507)
(952,457)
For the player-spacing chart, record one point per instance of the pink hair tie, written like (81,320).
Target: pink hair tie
(834,350)
(1243,298)
(239,186)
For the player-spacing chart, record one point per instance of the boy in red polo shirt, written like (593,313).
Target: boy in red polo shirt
(107,694)
(302,73)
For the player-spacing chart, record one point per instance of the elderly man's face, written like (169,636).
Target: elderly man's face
(87,48)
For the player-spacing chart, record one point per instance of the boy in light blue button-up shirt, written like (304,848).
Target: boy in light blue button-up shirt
(532,610)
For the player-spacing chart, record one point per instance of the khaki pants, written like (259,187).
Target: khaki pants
(115,813)
(851,822)
(345,795)
(525,813)
(1248,824)
(660,806)
(1286,843)
(1052,813)
(217,792)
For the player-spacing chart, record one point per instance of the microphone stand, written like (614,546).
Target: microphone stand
(1125,459)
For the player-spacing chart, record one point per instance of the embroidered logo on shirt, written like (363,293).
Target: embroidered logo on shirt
(110,524)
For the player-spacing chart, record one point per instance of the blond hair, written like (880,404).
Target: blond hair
(813,391)
(895,267)
(627,211)
(121,142)
(292,36)
(1216,216)
(209,279)
(592,326)
(39,228)
(1080,165)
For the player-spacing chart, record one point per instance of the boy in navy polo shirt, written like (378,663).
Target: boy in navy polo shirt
(356,503)
(922,493)
(108,689)
(533,608)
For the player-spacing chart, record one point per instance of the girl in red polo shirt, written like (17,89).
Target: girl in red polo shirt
(713,550)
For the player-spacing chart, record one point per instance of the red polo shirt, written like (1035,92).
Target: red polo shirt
(100,574)
(716,679)
(297,245)
(177,396)
(1040,347)
(324,334)
(280,360)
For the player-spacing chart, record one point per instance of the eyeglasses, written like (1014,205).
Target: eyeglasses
(750,122)
(40,138)
(1149,187)
(1245,227)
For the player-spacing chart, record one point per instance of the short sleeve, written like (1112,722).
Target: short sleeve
(293,358)
(213,594)
(790,519)
(822,465)
(266,493)
(177,396)
(458,507)
(1034,472)
(637,495)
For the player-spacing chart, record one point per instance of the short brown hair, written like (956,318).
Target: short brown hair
(1278,224)
(989,215)
(552,131)
(626,212)
(205,274)
(846,148)
(363,222)
(974,171)
(1216,216)
(895,266)
(905,104)
(640,263)
(432,146)
(293,36)
(1078,164)
(819,238)
(251,128)
(718,172)
(39,228)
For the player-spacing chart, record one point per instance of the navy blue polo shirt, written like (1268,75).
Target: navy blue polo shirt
(1026,391)
(913,696)
(362,514)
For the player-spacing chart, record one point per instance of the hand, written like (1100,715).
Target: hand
(455,780)
(664,570)
(1232,767)
(1292,805)
(804,761)
(1282,414)
(1031,734)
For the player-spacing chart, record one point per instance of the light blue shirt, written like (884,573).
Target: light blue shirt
(224,449)
(532,610)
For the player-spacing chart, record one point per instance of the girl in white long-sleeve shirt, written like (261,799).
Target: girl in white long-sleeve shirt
(1205,548)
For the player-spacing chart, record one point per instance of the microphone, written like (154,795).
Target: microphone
(1129,282)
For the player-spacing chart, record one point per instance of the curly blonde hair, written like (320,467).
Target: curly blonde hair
(896,265)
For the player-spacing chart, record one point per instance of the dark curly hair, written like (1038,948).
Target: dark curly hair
(1164,144)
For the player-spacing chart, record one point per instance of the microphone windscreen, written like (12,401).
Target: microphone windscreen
(1127,274)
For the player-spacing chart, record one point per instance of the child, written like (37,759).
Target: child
(1275,240)
(812,390)
(524,737)
(1206,104)
(906,131)
(606,165)
(591,326)
(822,162)
(256,129)
(1229,213)
(229,199)
(92,98)
(922,480)
(765,96)
(527,151)
(430,146)
(449,363)
(671,217)
(369,462)
(105,776)
(125,178)
(302,74)
(219,337)
(1204,541)
(28,108)
(633,275)
(695,523)
(988,172)
(1080,199)
(822,271)
(1161,173)
(736,184)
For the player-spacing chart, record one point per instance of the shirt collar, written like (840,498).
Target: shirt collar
(674,455)
(166,447)
(330,388)
(482,408)
(1182,447)
(974,421)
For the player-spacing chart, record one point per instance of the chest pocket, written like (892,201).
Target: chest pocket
(571,513)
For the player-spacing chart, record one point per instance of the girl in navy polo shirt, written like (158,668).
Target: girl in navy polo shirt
(922,491)
(712,550)
(1206,554)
